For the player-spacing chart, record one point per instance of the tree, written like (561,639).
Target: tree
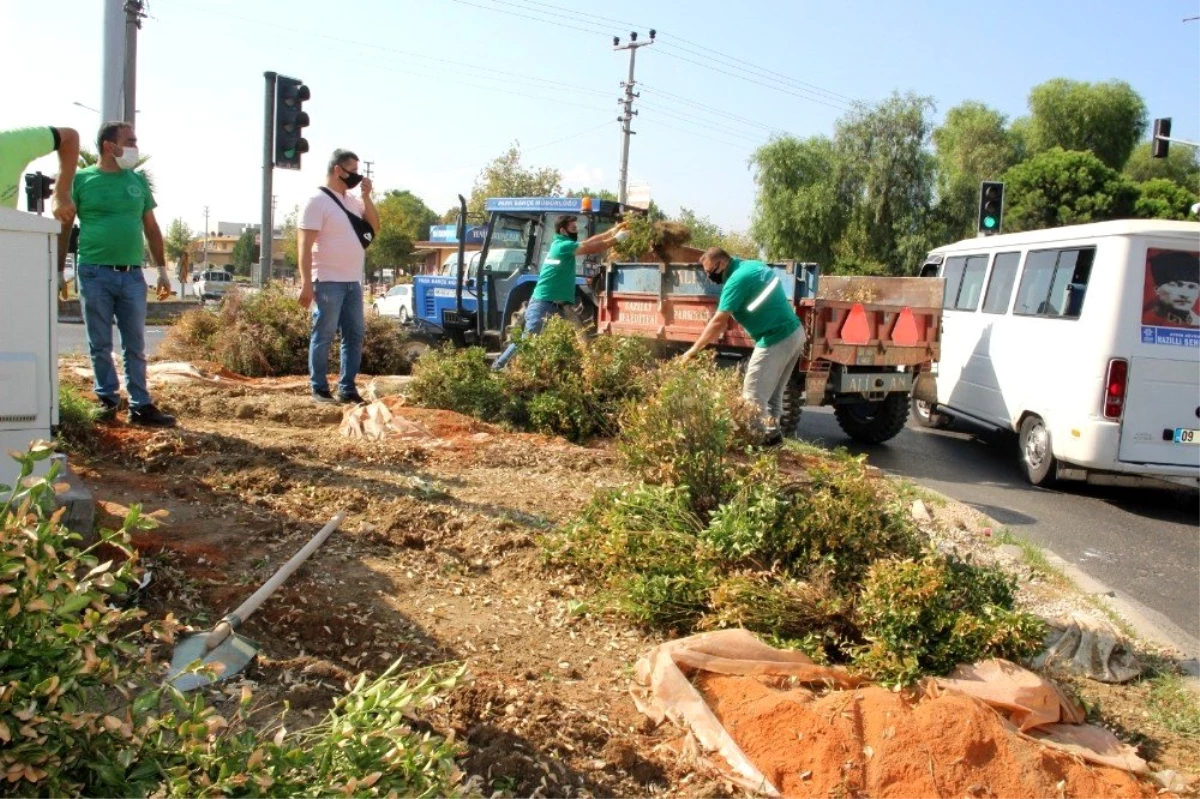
(1163,199)
(246,251)
(291,247)
(1106,119)
(885,176)
(1179,166)
(404,218)
(1065,187)
(739,245)
(178,239)
(506,177)
(972,145)
(797,211)
(705,232)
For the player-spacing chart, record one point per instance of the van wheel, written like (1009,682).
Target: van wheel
(873,422)
(926,415)
(1037,454)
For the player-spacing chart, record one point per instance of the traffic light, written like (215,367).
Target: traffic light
(38,188)
(290,122)
(991,207)
(1158,147)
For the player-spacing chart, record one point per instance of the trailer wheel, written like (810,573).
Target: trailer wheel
(793,404)
(873,422)
(1037,454)
(927,415)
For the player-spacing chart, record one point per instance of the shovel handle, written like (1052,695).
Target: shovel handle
(243,611)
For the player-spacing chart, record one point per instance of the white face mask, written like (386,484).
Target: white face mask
(128,158)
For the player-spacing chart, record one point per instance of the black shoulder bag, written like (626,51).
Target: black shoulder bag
(362,228)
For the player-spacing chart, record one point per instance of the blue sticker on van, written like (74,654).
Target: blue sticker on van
(1171,336)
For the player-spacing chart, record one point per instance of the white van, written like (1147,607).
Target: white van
(1083,340)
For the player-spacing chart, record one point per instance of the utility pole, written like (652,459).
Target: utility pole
(628,114)
(112,82)
(133,23)
(206,237)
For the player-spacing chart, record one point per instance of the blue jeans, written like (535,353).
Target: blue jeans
(106,294)
(337,306)
(536,314)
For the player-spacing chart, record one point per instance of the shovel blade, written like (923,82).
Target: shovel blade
(227,658)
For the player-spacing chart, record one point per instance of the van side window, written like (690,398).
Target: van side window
(953,273)
(1054,283)
(972,283)
(1000,284)
(964,282)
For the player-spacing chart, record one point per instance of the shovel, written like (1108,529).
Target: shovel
(221,648)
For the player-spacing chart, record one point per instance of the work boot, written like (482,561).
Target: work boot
(321,396)
(774,439)
(107,410)
(150,416)
(350,398)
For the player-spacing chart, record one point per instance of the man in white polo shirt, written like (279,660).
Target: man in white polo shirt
(333,235)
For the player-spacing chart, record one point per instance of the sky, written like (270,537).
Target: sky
(430,91)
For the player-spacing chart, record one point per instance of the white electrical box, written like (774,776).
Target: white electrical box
(28,333)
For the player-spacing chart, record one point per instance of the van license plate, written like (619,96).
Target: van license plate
(1185,436)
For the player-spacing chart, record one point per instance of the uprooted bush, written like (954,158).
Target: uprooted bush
(686,429)
(558,382)
(830,563)
(84,713)
(77,418)
(267,333)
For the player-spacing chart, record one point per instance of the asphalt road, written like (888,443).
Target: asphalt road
(1142,544)
(72,339)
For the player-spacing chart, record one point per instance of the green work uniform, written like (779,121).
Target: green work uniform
(111,206)
(17,149)
(753,293)
(556,278)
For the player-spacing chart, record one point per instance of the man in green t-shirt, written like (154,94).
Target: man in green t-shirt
(753,295)
(554,293)
(116,209)
(20,147)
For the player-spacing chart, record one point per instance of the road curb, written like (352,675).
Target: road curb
(1148,625)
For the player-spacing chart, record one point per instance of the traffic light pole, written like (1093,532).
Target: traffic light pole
(267,232)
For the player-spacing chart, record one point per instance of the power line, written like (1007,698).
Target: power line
(692,132)
(481,68)
(703,122)
(536,19)
(687,46)
(680,100)
(837,106)
(530,149)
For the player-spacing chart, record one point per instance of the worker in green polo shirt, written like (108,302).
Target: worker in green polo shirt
(116,209)
(554,293)
(753,295)
(22,146)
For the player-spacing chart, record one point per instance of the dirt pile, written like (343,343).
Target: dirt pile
(873,742)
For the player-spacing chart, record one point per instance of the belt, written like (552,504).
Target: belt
(120,267)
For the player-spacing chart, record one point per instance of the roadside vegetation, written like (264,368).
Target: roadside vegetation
(266,334)
(84,713)
(716,533)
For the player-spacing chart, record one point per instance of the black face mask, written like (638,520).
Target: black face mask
(716,277)
(352,179)
(572,236)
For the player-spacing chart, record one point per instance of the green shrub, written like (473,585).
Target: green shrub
(77,418)
(83,712)
(683,432)
(457,380)
(557,383)
(383,348)
(927,616)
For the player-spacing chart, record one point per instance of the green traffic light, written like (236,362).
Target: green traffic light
(989,222)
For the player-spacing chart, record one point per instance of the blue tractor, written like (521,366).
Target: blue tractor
(488,291)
